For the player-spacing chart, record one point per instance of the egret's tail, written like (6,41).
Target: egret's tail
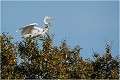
(17,30)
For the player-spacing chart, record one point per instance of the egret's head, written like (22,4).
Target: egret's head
(48,18)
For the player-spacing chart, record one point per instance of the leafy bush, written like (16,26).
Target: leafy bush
(43,60)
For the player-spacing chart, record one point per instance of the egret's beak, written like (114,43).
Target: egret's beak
(51,18)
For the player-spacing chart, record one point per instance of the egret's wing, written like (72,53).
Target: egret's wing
(27,29)
(27,26)
(37,30)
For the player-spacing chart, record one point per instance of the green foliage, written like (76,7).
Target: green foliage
(8,57)
(42,60)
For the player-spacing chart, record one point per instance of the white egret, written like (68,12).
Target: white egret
(32,31)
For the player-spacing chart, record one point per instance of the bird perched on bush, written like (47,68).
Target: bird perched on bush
(32,30)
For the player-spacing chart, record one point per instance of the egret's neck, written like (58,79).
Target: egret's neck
(45,21)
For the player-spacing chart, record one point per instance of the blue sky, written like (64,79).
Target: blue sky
(84,23)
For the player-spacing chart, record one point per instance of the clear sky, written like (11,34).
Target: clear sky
(84,23)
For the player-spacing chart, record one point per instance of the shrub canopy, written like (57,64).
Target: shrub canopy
(40,59)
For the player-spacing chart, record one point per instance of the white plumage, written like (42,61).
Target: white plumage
(32,31)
